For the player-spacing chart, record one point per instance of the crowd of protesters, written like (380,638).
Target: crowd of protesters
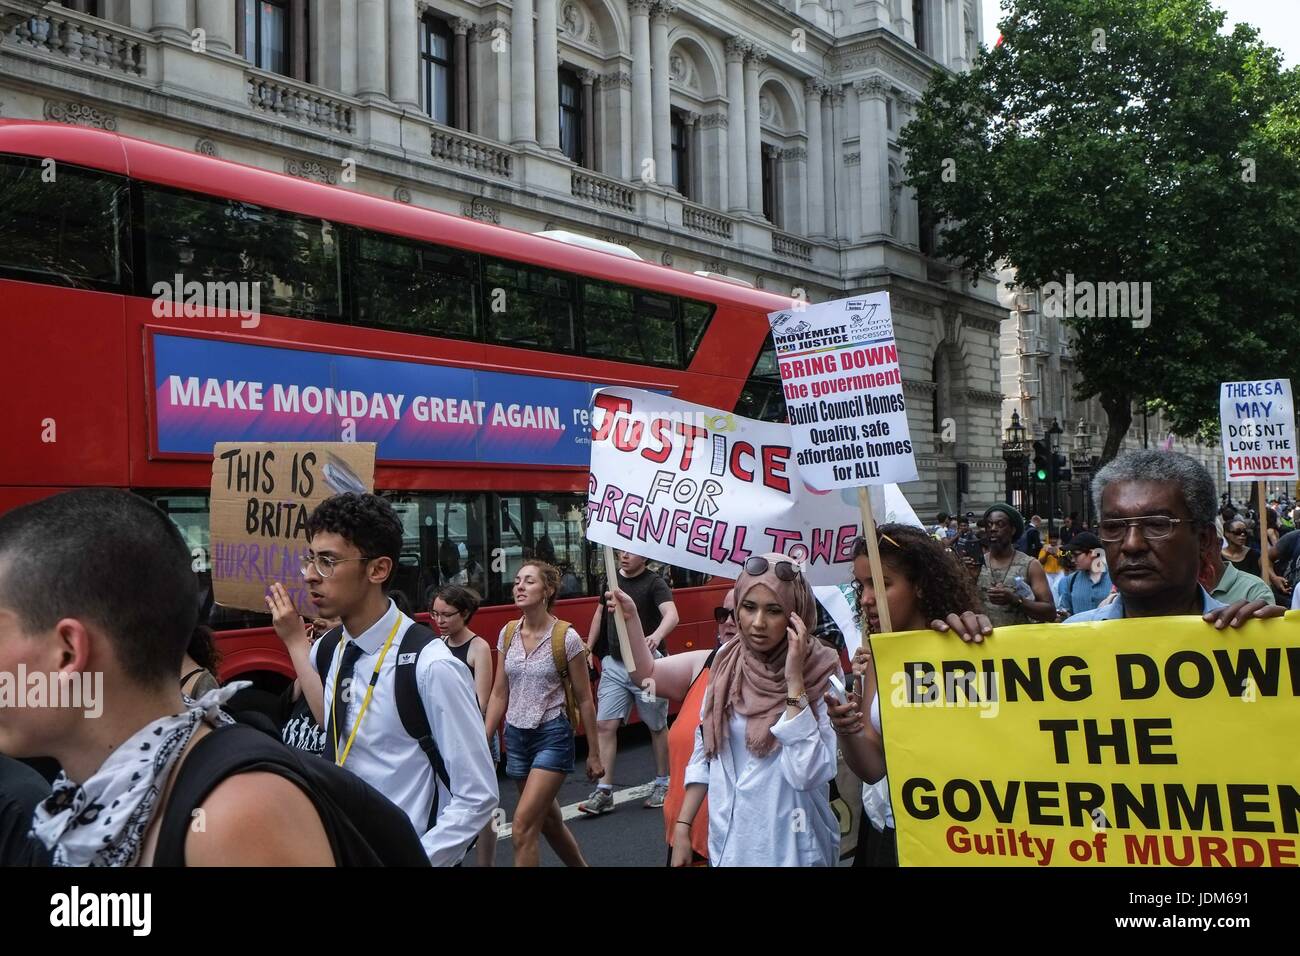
(768,720)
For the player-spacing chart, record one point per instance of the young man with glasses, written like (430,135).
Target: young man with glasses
(616,693)
(443,778)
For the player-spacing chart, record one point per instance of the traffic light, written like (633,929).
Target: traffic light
(1042,460)
(1060,468)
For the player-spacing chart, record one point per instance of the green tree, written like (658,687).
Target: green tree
(1129,141)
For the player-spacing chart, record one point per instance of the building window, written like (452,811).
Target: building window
(918,24)
(681,141)
(436,74)
(266,35)
(889,112)
(571,118)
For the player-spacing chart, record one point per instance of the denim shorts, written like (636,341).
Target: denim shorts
(548,747)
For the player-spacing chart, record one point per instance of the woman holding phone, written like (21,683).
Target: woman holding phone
(765,751)
(926,588)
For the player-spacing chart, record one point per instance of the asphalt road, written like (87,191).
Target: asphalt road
(630,835)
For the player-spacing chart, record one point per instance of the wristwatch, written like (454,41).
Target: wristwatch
(801,701)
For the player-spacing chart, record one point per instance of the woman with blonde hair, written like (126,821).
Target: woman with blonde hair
(540,687)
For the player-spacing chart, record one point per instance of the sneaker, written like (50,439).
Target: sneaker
(600,801)
(657,793)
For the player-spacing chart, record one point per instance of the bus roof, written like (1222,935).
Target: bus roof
(183,169)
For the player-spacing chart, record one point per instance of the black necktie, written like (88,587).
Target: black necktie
(339,713)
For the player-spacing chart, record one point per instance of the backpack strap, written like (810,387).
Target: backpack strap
(324,650)
(410,707)
(512,628)
(558,633)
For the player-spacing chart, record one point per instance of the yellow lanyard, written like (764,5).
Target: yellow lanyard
(334,717)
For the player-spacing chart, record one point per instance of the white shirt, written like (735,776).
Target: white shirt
(774,810)
(389,759)
(875,796)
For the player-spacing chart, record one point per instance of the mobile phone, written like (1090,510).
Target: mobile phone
(837,690)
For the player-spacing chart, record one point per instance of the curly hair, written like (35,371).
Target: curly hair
(367,521)
(465,600)
(942,585)
(550,576)
(203,648)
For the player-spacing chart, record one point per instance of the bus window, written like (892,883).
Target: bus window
(412,287)
(528,306)
(543,527)
(444,541)
(624,324)
(60,224)
(696,317)
(294,260)
(761,397)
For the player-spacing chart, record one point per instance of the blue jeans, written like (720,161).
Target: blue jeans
(546,747)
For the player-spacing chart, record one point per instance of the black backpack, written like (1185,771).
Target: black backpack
(409,706)
(363,826)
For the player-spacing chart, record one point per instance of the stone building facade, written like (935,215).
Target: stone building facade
(753,138)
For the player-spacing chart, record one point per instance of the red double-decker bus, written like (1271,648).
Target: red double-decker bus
(111,384)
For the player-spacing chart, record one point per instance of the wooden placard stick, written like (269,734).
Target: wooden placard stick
(877,572)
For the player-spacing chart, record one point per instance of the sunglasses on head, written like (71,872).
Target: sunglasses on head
(721,615)
(784,570)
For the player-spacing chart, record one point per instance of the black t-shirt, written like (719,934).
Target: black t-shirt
(21,789)
(1288,549)
(647,590)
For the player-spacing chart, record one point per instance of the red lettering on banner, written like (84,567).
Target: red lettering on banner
(740,471)
(775,458)
(612,405)
(657,429)
(690,433)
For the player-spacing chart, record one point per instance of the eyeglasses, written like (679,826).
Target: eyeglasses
(784,570)
(325,563)
(721,615)
(443,615)
(1153,527)
(1236,531)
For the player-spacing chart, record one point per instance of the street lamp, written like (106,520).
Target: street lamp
(1052,435)
(1013,453)
(1015,435)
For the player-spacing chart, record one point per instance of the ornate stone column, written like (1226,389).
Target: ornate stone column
(217,20)
(403,65)
(713,139)
(142,15)
(851,192)
(589,150)
(372,49)
(523,75)
(815,196)
(753,131)
(909,215)
(642,95)
(460,28)
(548,75)
(736,188)
(832,125)
(169,19)
(659,92)
(874,142)
(348,46)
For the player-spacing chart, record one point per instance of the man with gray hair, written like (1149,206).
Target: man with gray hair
(1157,525)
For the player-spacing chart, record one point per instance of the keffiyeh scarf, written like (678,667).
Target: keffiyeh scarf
(102,822)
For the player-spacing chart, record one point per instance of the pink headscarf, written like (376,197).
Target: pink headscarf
(742,681)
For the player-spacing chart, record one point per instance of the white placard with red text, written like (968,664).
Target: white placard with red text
(844,392)
(1258,424)
(705,489)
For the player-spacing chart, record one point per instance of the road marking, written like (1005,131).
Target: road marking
(626,795)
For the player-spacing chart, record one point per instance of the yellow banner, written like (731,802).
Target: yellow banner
(1139,742)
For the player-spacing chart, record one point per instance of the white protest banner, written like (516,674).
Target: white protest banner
(1258,424)
(705,489)
(844,392)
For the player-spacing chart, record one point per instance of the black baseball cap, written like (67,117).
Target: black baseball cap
(1085,541)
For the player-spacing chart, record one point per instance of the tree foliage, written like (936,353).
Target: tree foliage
(1129,141)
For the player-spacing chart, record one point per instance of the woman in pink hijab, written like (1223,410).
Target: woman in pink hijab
(765,751)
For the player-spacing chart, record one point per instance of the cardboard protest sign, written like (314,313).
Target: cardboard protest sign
(844,392)
(262,495)
(1258,424)
(705,489)
(1133,742)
